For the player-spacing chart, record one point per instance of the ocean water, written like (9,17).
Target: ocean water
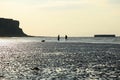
(85,58)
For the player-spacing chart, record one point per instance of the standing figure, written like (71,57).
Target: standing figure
(58,37)
(66,37)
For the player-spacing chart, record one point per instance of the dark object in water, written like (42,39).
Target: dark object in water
(43,41)
(104,36)
(35,68)
(1,76)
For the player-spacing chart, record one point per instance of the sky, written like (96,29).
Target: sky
(64,17)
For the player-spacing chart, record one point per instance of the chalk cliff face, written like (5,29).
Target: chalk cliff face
(10,28)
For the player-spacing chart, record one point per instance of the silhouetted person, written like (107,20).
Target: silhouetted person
(58,37)
(66,37)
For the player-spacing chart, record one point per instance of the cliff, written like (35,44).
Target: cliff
(10,28)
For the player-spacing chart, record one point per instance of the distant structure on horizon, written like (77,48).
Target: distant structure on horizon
(10,28)
(105,35)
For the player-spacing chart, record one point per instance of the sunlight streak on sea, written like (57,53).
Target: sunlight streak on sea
(27,58)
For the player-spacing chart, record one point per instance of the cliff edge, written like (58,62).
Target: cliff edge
(10,28)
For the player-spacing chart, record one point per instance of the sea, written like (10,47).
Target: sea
(78,58)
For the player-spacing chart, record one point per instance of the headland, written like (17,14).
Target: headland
(10,28)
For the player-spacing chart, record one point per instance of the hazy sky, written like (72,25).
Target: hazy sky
(71,17)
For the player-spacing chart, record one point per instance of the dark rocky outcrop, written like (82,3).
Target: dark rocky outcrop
(10,28)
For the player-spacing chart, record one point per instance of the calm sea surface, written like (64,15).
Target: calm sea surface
(86,58)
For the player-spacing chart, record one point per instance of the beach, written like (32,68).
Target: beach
(24,59)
